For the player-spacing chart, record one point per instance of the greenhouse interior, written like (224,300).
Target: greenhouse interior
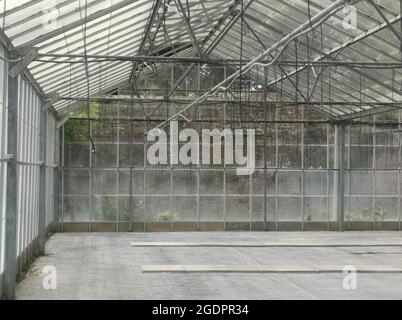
(91,90)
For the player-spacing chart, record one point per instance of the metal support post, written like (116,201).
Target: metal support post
(10,266)
(339,179)
(42,182)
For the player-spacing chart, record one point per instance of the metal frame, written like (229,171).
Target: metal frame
(275,50)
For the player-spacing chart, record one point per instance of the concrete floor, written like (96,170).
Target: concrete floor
(105,266)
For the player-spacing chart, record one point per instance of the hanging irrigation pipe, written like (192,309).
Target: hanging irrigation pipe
(284,42)
(79,59)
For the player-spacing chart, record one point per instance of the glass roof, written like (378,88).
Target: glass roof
(117,28)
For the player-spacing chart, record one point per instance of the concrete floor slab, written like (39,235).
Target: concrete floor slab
(245,244)
(264,269)
(105,266)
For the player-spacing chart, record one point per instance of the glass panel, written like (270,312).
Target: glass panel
(361,183)
(76,182)
(359,208)
(104,208)
(211,182)
(158,182)
(236,184)
(289,182)
(386,209)
(315,182)
(185,208)
(137,182)
(237,208)
(315,209)
(185,182)
(137,205)
(76,209)
(104,182)
(158,209)
(211,208)
(76,155)
(386,183)
(105,156)
(289,209)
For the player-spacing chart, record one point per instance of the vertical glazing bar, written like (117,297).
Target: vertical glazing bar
(91,160)
(349,167)
(118,170)
(22,196)
(276,168)
(265,148)
(374,170)
(339,179)
(62,177)
(130,163)
(399,166)
(144,189)
(302,171)
(328,178)
(56,173)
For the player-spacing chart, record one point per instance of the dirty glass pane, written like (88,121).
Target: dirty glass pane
(76,209)
(211,208)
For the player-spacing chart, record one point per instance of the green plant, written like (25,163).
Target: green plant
(358,215)
(308,217)
(166,216)
(379,214)
(109,209)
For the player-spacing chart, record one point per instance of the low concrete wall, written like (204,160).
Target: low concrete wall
(224,226)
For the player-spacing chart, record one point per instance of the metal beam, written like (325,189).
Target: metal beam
(25,61)
(186,21)
(61,122)
(317,19)
(148,28)
(52,98)
(371,112)
(377,7)
(10,266)
(79,58)
(211,46)
(344,45)
(56,169)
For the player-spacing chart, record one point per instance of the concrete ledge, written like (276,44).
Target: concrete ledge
(75,227)
(104,227)
(387,226)
(158,226)
(360,225)
(212,226)
(228,226)
(289,244)
(124,227)
(257,226)
(315,226)
(290,225)
(262,269)
(237,226)
(185,226)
